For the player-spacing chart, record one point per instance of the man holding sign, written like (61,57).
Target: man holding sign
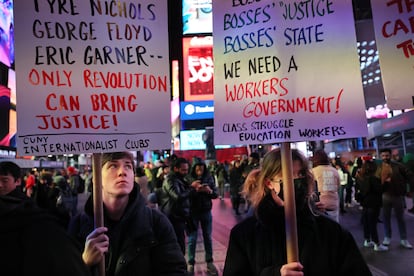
(135,239)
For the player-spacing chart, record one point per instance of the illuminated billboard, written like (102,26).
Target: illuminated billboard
(198,68)
(197,16)
(7,77)
(192,140)
(197,110)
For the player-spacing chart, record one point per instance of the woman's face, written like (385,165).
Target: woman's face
(275,185)
(199,170)
(296,169)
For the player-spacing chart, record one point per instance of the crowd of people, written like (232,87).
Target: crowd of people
(153,214)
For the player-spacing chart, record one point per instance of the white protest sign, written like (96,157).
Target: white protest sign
(286,71)
(394,29)
(92,76)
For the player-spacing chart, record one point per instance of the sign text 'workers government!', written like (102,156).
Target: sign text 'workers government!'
(286,71)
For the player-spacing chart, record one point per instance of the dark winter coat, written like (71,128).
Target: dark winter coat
(371,191)
(258,245)
(400,178)
(236,181)
(143,242)
(175,197)
(199,201)
(32,242)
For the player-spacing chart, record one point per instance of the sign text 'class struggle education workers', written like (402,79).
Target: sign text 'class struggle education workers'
(263,49)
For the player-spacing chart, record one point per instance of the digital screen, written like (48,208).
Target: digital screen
(7,77)
(197,16)
(192,140)
(198,68)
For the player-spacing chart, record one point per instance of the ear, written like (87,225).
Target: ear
(268,184)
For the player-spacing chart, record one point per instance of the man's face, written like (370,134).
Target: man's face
(8,184)
(182,170)
(386,157)
(117,178)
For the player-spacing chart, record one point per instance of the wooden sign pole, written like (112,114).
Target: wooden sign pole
(289,201)
(97,200)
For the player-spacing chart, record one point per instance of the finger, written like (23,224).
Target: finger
(97,232)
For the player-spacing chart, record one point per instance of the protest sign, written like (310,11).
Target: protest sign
(394,29)
(286,71)
(92,76)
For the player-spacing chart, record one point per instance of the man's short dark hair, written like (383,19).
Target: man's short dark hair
(386,150)
(8,167)
(179,161)
(112,156)
(255,155)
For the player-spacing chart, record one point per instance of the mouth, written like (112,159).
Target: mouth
(122,182)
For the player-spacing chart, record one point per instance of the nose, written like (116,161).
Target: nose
(121,171)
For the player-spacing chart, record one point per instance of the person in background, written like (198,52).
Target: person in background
(394,178)
(142,180)
(31,182)
(257,245)
(174,200)
(222,178)
(235,178)
(148,166)
(43,190)
(200,210)
(135,239)
(343,180)
(32,241)
(74,181)
(153,197)
(408,161)
(327,183)
(371,201)
(249,164)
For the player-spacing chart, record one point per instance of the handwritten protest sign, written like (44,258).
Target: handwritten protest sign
(286,71)
(92,76)
(394,29)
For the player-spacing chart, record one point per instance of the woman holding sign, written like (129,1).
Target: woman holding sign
(258,244)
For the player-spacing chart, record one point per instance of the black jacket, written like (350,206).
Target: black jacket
(371,191)
(199,201)
(32,242)
(143,242)
(258,245)
(175,197)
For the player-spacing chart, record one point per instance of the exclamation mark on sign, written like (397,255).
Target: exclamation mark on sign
(338,100)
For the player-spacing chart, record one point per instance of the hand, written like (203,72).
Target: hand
(321,207)
(196,184)
(277,199)
(206,189)
(96,245)
(293,268)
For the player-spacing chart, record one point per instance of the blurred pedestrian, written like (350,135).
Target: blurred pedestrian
(327,183)
(235,179)
(394,178)
(371,201)
(174,200)
(200,211)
